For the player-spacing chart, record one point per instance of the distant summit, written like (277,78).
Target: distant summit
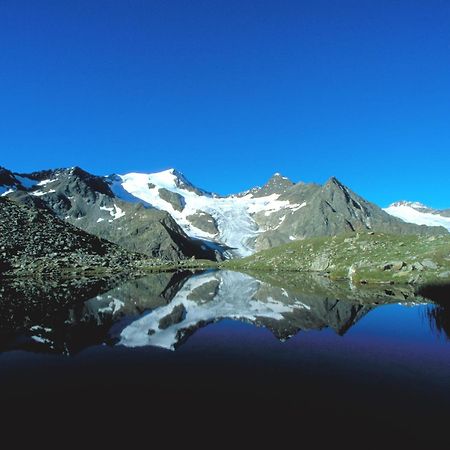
(418,213)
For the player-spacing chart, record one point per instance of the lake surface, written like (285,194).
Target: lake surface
(284,356)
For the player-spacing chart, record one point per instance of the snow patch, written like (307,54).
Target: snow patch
(41,193)
(115,212)
(44,182)
(234,214)
(112,307)
(4,192)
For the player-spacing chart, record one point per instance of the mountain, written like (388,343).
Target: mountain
(86,201)
(164,215)
(278,212)
(415,212)
(34,241)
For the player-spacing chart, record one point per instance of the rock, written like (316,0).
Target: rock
(395,265)
(204,222)
(176,200)
(177,315)
(429,264)
(321,263)
(398,265)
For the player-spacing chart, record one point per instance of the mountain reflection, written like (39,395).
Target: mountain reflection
(164,309)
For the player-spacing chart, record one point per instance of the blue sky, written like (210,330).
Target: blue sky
(229,92)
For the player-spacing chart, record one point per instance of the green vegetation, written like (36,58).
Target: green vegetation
(361,258)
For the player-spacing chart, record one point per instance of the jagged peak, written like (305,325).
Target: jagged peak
(278,178)
(333,180)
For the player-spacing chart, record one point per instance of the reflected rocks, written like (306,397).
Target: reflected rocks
(164,309)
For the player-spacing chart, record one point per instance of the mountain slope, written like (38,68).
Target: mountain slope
(164,215)
(329,210)
(86,201)
(264,217)
(414,212)
(360,258)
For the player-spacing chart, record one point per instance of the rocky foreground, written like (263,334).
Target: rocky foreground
(33,241)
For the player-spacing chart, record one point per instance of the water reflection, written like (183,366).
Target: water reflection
(165,309)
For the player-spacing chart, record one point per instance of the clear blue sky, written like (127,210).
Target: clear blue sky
(229,92)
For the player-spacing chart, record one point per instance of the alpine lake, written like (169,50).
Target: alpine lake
(218,353)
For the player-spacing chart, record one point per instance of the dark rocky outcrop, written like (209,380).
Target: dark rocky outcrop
(204,221)
(34,241)
(175,199)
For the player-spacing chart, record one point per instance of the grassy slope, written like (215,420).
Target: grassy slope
(362,257)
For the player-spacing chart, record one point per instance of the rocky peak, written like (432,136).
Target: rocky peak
(182,182)
(279,180)
(277,184)
(333,183)
(76,175)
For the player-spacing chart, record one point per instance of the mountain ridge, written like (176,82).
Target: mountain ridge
(164,215)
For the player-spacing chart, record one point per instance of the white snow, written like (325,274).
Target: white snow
(4,192)
(297,207)
(234,215)
(44,182)
(112,307)
(41,340)
(41,193)
(115,212)
(236,298)
(40,328)
(100,220)
(407,212)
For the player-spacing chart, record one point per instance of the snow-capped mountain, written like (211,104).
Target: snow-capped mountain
(164,215)
(278,212)
(420,214)
(231,221)
(86,201)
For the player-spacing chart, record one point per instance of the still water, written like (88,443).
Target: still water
(327,361)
